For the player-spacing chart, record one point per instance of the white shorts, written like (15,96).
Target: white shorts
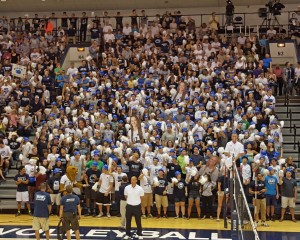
(287,202)
(55,199)
(22,196)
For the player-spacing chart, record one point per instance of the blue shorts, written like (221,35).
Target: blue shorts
(271,200)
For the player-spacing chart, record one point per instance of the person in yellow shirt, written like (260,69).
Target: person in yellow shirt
(213,21)
(130,82)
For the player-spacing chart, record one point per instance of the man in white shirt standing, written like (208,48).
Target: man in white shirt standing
(133,194)
(234,149)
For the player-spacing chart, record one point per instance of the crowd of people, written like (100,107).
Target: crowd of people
(165,102)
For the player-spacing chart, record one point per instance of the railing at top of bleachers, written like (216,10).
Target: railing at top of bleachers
(243,25)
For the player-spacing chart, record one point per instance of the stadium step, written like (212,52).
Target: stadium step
(8,193)
(282,109)
(9,204)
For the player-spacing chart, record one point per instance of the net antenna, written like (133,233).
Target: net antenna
(242,224)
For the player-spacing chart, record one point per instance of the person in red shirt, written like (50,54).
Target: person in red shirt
(279,75)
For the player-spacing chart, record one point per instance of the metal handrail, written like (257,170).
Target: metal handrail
(290,113)
(286,103)
(295,133)
(298,144)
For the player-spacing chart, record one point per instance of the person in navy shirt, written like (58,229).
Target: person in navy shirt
(70,212)
(42,209)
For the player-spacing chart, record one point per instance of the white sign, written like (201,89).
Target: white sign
(19,71)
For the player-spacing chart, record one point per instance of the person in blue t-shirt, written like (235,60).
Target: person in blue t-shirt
(42,209)
(70,212)
(267,62)
(272,193)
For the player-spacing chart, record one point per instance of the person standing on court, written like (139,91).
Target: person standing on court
(123,202)
(70,213)
(22,194)
(133,194)
(42,210)
(288,194)
(258,189)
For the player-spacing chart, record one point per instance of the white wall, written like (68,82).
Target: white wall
(74,56)
(252,19)
(283,54)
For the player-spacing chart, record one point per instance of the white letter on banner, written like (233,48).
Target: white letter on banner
(192,235)
(26,232)
(2,232)
(173,235)
(150,234)
(97,233)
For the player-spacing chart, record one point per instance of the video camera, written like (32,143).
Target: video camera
(275,7)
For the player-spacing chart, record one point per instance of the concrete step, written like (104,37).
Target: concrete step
(9,204)
(282,115)
(9,184)
(12,173)
(8,193)
(281,108)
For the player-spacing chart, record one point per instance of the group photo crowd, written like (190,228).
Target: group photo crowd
(165,102)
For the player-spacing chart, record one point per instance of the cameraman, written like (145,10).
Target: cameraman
(229,12)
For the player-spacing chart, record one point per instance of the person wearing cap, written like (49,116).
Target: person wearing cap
(105,182)
(263,153)
(290,165)
(245,174)
(180,194)
(258,189)
(91,176)
(160,190)
(168,135)
(53,184)
(70,213)
(272,193)
(96,159)
(288,194)
(42,210)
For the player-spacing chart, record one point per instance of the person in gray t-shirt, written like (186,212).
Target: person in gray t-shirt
(288,193)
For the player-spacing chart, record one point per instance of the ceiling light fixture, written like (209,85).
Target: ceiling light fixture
(3,0)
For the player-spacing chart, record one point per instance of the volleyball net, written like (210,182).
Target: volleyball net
(242,224)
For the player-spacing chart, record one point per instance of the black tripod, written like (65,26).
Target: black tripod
(270,18)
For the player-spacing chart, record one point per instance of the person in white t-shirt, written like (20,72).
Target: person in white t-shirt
(106,181)
(72,69)
(234,148)
(147,200)
(242,39)
(118,179)
(109,36)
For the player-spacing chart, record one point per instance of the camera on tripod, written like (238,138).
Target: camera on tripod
(275,7)
(229,8)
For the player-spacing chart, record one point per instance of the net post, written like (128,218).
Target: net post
(234,215)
